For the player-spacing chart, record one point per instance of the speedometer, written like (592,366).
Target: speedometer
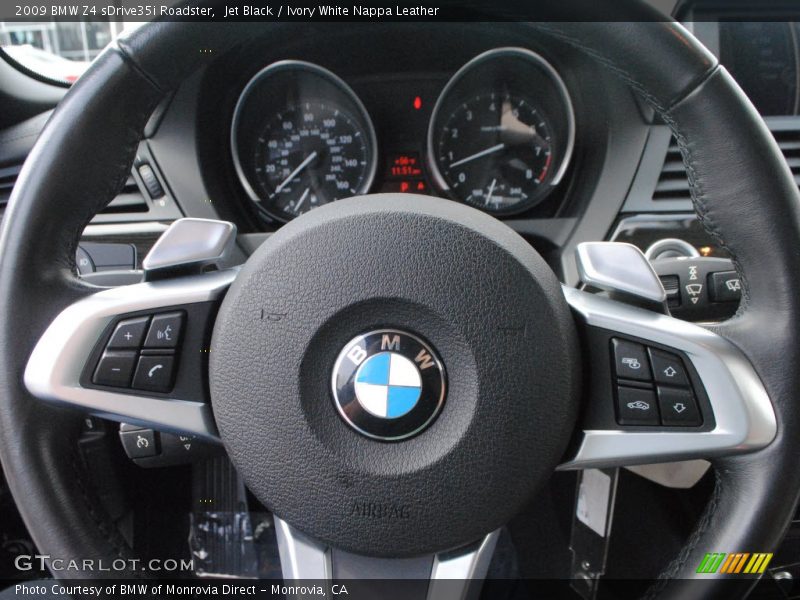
(310,155)
(301,138)
(502,132)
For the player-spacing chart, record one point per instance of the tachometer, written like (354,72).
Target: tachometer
(301,138)
(502,132)
(495,151)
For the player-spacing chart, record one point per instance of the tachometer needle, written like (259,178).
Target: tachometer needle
(296,172)
(484,152)
(491,191)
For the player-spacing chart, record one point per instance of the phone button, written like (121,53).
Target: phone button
(154,373)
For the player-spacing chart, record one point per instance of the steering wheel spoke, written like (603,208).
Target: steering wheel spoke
(454,574)
(662,389)
(135,354)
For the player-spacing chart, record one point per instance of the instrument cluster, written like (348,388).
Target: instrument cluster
(499,136)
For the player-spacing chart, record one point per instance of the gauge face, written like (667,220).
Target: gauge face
(502,132)
(301,138)
(494,151)
(310,155)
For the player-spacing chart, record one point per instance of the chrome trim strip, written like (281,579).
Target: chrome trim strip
(466,565)
(123,229)
(646,220)
(55,366)
(745,418)
(670,244)
(303,558)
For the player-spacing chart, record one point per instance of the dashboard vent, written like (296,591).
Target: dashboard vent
(672,183)
(129,200)
(8,177)
(789,143)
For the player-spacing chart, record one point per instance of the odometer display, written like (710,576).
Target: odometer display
(494,151)
(310,155)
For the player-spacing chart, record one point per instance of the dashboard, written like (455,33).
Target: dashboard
(493,115)
(476,113)
(500,137)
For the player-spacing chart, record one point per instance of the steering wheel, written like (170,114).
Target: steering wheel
(497,348)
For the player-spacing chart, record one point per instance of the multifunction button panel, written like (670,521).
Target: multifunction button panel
(142,353)
(652,387)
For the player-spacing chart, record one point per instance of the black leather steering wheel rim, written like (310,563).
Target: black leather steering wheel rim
(741,188)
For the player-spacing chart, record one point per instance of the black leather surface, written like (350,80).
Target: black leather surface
(741,186)
(78,165)
(16,141)
(661,61)
(746,197)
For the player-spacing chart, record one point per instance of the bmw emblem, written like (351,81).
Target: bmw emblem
(388,384)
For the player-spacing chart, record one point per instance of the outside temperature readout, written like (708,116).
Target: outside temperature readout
(405,165)
(404,173)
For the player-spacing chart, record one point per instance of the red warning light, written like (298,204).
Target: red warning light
(403,186)
(417,103)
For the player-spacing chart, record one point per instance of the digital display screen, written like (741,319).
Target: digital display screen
(404,173)
(403,165)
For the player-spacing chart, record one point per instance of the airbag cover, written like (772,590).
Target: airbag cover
(463,281)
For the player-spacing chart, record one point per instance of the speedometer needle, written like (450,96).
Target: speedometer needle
(491,191)
(484,152)
(301,200)
(296,172)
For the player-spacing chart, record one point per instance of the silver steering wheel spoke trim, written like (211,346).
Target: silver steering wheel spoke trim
(743,413)
(451,575)
(55,366)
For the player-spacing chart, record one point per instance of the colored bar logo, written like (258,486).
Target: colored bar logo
(735,563)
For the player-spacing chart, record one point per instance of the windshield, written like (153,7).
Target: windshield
(58,51)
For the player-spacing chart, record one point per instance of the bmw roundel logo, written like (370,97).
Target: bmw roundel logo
(388,384)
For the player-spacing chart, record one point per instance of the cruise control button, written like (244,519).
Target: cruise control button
(129,333)
(630,360)
(140,443)
(726,286)
(636,406)
(165,330)
(668,368)
(115,369)
(154,373)
(678,408)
